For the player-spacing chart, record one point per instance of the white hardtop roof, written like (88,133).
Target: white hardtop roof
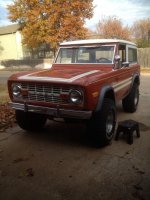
(96,41)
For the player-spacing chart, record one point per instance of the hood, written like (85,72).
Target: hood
(60,75)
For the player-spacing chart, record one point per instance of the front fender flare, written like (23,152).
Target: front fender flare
(105,92)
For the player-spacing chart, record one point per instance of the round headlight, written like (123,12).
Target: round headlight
(76,97)
(16,90)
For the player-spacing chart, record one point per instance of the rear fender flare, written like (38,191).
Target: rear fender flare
(135,79)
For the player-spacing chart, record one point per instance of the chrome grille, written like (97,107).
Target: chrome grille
(45,93)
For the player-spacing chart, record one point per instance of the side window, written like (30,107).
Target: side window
(122,53)
(132,55)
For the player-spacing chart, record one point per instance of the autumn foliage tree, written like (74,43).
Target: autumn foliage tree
(141,32)
(51,21)
(112,27)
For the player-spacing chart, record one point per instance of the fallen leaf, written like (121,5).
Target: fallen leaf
(138,187)
(29,172)
(18,160)
(7,117)
(140,172)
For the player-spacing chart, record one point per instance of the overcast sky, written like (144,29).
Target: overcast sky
(127,10)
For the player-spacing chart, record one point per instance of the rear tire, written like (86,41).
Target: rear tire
(131,101)
(101,126)
(30,121)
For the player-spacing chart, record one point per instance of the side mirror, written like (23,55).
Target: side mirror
(117,58)
(117,64)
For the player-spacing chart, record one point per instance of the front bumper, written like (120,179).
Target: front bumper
(54,112)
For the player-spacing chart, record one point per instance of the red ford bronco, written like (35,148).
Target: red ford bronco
(86,80)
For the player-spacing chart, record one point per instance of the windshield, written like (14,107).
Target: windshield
(101,54)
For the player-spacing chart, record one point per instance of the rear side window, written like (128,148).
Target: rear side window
(132,55)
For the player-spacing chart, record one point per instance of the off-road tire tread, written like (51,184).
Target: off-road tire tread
(128,102)
(96,126)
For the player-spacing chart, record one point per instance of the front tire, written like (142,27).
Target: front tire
(131,101)
(30,121)
(101,126)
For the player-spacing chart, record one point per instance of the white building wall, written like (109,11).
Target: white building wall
(11,46)
(19,48)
